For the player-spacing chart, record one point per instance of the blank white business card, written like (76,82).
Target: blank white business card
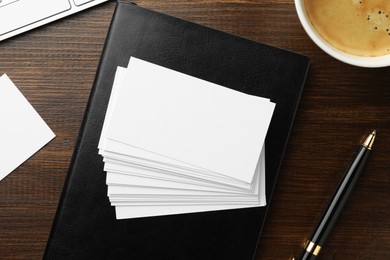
(22,131)
(191,120)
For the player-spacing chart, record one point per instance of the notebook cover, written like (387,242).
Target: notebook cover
(85,226)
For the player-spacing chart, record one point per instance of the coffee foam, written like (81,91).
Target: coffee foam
(358,27)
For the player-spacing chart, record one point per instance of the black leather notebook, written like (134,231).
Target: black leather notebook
(85,226)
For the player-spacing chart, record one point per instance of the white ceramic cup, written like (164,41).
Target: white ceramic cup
(369,62)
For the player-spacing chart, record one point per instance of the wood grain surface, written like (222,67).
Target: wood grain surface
(54,67)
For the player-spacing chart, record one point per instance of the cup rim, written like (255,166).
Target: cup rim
(367,62)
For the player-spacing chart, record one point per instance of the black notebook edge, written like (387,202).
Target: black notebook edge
(272,189)
(85,119)
(79,136)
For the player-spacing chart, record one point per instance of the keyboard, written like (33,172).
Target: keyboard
(17,16)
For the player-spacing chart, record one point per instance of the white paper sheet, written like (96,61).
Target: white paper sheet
(22,131)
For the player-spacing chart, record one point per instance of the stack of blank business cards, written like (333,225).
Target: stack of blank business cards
(173,144)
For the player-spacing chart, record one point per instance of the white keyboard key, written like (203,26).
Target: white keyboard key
(28,12)
(81,2)
(6,2)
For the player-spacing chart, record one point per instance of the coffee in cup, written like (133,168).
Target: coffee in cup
(353,31)
(357,27)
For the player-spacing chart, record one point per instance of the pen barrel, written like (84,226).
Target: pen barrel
(306,255)
(335,205)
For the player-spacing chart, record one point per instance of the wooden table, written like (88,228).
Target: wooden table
(54,67)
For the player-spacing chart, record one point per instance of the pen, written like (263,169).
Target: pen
(332,211)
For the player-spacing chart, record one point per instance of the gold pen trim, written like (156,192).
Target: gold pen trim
(369,140)
(313,248)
